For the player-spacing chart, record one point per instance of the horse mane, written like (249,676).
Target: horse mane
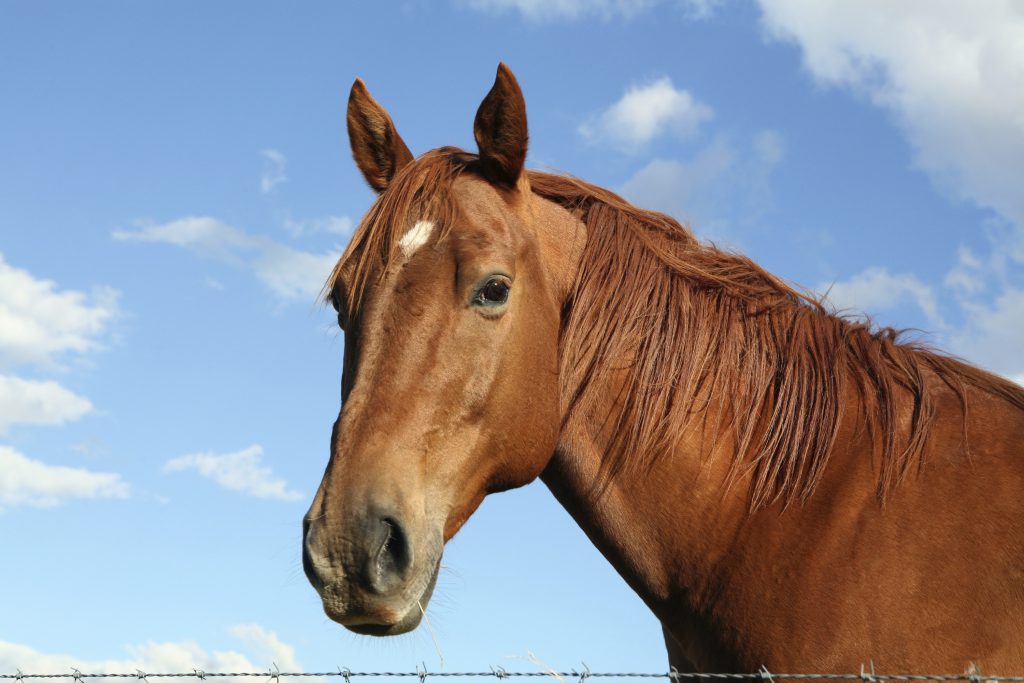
(710,333)
(689,332)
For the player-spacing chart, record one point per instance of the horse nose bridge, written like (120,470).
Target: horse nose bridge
(368,428)
(369,478)
(395,393)
(380,450)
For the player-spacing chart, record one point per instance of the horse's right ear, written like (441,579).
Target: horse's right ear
(376,146)
(500,129)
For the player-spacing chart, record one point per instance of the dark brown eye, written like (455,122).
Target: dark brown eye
(493,293)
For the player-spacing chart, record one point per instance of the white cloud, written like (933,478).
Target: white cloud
(288,272)
(203,235)
(569,10)
(876,289)
(24,481)
(950,72)
(273,170)
(991,333)
(39,322)
(987,289)
(966,276)
(267,646)
(166,657)
(994,333)
(952,76)
(240,471)
(36,402)
(645,112)
(291,273)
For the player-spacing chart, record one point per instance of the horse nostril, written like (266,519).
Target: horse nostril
(393,557)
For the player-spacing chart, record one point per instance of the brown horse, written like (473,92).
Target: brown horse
(783,487)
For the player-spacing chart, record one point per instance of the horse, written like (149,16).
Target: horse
(784,486)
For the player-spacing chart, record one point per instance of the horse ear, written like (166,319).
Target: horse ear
(500,130)
(376,146)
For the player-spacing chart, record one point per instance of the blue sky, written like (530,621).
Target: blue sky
(176,184)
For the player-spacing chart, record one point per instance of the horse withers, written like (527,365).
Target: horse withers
(782,486)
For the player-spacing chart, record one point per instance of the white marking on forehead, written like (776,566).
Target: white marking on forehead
(416,237)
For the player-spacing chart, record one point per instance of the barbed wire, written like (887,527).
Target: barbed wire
(500,674)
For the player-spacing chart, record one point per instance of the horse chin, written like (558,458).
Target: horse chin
(409,620)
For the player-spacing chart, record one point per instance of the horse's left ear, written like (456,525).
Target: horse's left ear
(500,130)
(377,147)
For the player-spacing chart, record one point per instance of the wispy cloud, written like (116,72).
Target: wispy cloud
(979,293)
(34,402)
(987,288)
(288,272)
(680,187)
(645,112)
(273,170)
(24,481)
(724,183)
(241,471)
(572,10)
(876,289)
(342,226)
(186,655)
(950,72)
(950,75)
(266,646)
(40,323)
(994,332)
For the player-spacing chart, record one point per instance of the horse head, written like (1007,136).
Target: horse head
(450,296)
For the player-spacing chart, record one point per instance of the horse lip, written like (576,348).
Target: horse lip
(386,622)
(378,630)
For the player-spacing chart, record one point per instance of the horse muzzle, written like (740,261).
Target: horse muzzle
(371,575)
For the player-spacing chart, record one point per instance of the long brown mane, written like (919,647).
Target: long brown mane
(699,332)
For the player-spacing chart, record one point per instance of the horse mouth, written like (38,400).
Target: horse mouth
(408,620)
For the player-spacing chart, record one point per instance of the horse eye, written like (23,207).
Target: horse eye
(494,293)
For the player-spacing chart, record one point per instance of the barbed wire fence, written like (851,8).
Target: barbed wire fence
(275,676)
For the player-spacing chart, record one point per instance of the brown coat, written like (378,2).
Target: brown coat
(782,486)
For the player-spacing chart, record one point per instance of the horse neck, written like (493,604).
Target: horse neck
(662,527)
(665,520)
